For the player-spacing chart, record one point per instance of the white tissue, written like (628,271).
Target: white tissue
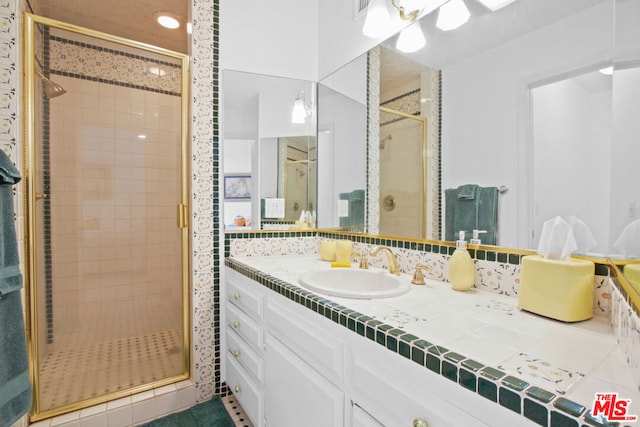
(581,232)
(557,240)
(628,243)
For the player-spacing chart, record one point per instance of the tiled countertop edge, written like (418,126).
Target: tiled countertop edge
(532,402)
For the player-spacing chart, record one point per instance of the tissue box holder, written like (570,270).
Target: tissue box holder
(561,290)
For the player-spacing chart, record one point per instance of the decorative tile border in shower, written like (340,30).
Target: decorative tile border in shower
(408,103)
(536,404)
(82,60)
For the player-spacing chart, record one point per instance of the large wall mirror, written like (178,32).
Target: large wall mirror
(522,102)
(269,152)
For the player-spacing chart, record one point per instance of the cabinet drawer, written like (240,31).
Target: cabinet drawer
(244,294)
(309,338)
(395,396)
(245,356)
(248,393)
(246,327)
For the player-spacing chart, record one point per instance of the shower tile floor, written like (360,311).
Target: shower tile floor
(73,374)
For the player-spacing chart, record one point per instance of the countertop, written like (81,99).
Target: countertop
(573,360)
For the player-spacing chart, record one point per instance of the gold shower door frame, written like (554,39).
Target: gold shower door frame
(30,181)
(425,165)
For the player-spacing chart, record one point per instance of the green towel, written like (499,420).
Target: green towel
(488,214)
(470,207)
(15,389)
(356,208)
(466,210)
(345,221)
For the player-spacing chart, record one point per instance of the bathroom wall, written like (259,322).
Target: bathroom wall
(485,93)
(278,39)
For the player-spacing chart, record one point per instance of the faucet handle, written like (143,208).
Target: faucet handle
(418,276)
(364,263)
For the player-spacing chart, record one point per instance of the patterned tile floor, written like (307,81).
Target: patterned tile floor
(75,374)
(236,412)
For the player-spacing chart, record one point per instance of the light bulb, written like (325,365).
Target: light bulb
(494,5)
(377,19)
(299,113)
(411,39)
(452,15)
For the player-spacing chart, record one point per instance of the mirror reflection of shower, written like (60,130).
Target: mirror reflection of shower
(51,88)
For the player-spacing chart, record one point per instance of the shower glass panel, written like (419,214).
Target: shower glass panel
(106,195)
(402,174)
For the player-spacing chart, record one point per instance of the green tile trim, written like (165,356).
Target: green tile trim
(436,358)
(472,365)
(540,394)
(492,373)
(515,383)
(454,357)
(569,406)
(536,412)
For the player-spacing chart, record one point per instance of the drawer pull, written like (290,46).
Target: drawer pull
(236,389)
(235,324)
(236,296)
(419,422)
(236,353)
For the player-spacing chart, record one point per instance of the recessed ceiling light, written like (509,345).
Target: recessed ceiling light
(167,20)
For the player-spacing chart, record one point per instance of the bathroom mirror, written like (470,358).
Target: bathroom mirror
(269,156)
(511,84)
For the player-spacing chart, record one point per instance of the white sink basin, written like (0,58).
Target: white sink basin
(353,283)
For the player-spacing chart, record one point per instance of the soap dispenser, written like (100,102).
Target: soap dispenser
(476,237)
(461,268)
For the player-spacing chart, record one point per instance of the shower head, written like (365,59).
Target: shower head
(51,89)
(386,138)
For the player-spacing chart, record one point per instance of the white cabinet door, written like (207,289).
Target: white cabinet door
(362,419)
(295,394)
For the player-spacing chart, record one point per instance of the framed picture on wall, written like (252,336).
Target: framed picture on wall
(237,187)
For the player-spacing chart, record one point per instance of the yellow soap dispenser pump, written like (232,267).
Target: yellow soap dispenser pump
(461,268)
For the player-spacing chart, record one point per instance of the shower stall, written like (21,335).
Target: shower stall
(403,179)
(105,201)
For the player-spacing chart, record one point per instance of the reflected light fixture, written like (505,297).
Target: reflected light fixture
(411,39)
(494,5)
(607,71)
(377,19)
(452,15)
(167,19)
(300,110)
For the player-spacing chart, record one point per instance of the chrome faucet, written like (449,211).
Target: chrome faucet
(393,261)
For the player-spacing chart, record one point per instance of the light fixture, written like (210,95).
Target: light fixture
(156,71)
(411,39)
(607,71)
(494,5)
(452,15)
(300,110)
(167,19)
(377,19)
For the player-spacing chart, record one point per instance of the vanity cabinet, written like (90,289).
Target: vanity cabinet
(244,335)
(289,366)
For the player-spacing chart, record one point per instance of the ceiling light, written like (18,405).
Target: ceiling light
(494,5)
(375,24)
(156,71)
(411,39)
(452,15)
(167,20)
